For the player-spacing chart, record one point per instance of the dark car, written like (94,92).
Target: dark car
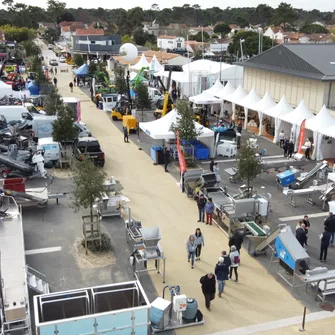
(91,147)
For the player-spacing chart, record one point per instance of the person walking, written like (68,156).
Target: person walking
(300,234)
(307,145)
(236,240)
(55,81)
(235,262)
(125,135)
(55,71)
(200,241)
(201,208)
(209,209)
(91,91)
(216,170)
(208,288)
(290,149)
(211,165)
(325,238)
(71,86)
(191,246)
(226,258)
(221,273)
(166,158)
(285,147)
(307,224)
(239,128)
(330,224)
(51,71)
(281,138)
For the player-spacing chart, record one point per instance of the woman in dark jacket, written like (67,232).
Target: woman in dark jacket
(208,288)
(221,272)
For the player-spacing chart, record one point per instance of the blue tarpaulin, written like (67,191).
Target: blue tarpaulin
(82,71)
(34,89)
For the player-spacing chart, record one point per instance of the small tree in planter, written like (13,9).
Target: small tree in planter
(88,186)
(53,102)
(142,100)
(249,166)
(185,123)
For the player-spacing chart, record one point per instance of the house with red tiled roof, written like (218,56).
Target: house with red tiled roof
(67,29)
(90,32)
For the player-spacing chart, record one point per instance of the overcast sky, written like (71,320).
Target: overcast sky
(322,5)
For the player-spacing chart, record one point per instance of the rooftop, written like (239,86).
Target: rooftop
(314,61)
(87,32)
(167,36)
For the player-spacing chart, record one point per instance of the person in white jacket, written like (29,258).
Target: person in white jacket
(235,262)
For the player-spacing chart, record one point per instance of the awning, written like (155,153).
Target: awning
(299,114)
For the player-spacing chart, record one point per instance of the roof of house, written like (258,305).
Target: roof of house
(75,26)
(69,23)
(48,24)
(233,26)
(276,29)
(177,26)
(66,29)
(202,28)
(87,32)
(293,35)
(167,37)
(314,61)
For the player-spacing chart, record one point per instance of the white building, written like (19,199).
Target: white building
(171,42)
(275,33)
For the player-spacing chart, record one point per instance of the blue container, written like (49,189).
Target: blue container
(286,178)
(156,153)
(100,105)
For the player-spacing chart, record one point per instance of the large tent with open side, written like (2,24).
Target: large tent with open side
(155,65)
(227,90)
(318,124)
(215,89)
(283,107)
(204,98)
(236,97)
(161,129)
(141,64)
(294,120)
(82,71)
(247,102)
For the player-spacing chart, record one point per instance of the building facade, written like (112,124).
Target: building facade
(171,42)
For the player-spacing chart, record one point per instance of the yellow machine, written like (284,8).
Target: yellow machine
(129,122)
(119,111)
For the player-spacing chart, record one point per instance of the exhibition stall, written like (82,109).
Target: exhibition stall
(235,99)
(270,118)
(322,144)
(161,130)
(140,64)
(204,98)
(227,90)
(215,89)
(247,103)
(291,122)
(155,65)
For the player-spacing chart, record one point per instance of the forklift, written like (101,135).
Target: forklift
(121,108)
(165,105)
(201,116)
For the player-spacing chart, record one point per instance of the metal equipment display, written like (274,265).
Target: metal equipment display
(304,179)
(330,188)
(267,164)
(178,312)
(310,192)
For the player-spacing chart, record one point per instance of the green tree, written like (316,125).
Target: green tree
(78,60)
(126,39)
(263,14)
(53,102)
(140,37)
(222,28)
(250,45)
(36,66)
(142,100)
(31,49)
(92,68)
(17,34)
(313,29)
(185,123)
(248,164)
(285,14)
(88,185)
(120,81)
(63,130)
(200,37)
(241,21)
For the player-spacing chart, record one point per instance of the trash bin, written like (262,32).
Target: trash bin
(100,105)
(157,155)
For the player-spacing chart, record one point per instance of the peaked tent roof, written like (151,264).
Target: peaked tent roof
(205,65)
(81,71)
(227,90)
(320,121)
(283,107)
(265,103)
(299,114)
(160,129)
(155,65)
(313,61)
(237,95)
(140,64)
(250,100)
(215,88)
(204,98)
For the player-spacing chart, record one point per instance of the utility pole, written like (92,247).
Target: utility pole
(202,38)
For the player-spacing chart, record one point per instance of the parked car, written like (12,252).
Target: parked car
(91,147)
(62,59)
(53,62)
(50,46)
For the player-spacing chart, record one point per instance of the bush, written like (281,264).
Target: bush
(94,246)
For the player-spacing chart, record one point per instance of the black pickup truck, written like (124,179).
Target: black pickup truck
(91,147)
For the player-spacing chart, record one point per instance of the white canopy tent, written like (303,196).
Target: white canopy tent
(204,98)
(247,102)
(140,64)
(5,89)
(318,124)
(265,103)
(227,90)
(216,88)
(236,97)
(160,129)
(295,118)
(283,107)
(204,65)
(155,65)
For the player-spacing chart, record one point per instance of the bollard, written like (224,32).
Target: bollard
(302,329)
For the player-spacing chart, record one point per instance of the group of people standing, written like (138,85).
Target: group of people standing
(288,145)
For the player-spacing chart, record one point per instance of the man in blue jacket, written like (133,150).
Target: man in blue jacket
(221,272)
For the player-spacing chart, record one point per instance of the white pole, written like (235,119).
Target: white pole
(242,58)
(202,38)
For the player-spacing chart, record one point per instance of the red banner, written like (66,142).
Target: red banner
(78,111)
(181,158)
(301,136)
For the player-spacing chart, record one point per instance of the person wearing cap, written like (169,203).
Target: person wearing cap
(208,288)
(221,272)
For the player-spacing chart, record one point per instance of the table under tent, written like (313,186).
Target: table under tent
(291,123)
(226,91)
(323,146)
(270,121)
(159,130)
(250,116)
(235,98)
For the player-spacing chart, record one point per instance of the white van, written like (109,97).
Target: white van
(52,149)
(17,113)
(154,95)
(73,103)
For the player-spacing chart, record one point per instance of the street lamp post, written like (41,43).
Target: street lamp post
(241,46)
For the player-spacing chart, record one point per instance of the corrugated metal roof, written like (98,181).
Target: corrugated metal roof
(315,61)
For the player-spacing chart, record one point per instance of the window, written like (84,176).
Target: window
(178,45)
(92,42)
(114,99)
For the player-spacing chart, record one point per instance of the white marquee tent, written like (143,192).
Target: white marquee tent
(236,97)
(204,98)
(205,65)
(283,107)
(295,118)
(140,64)
(247,102)
(155,65)
(216,88)
(5,89)
(227,90)
(318,124)
(160,129)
